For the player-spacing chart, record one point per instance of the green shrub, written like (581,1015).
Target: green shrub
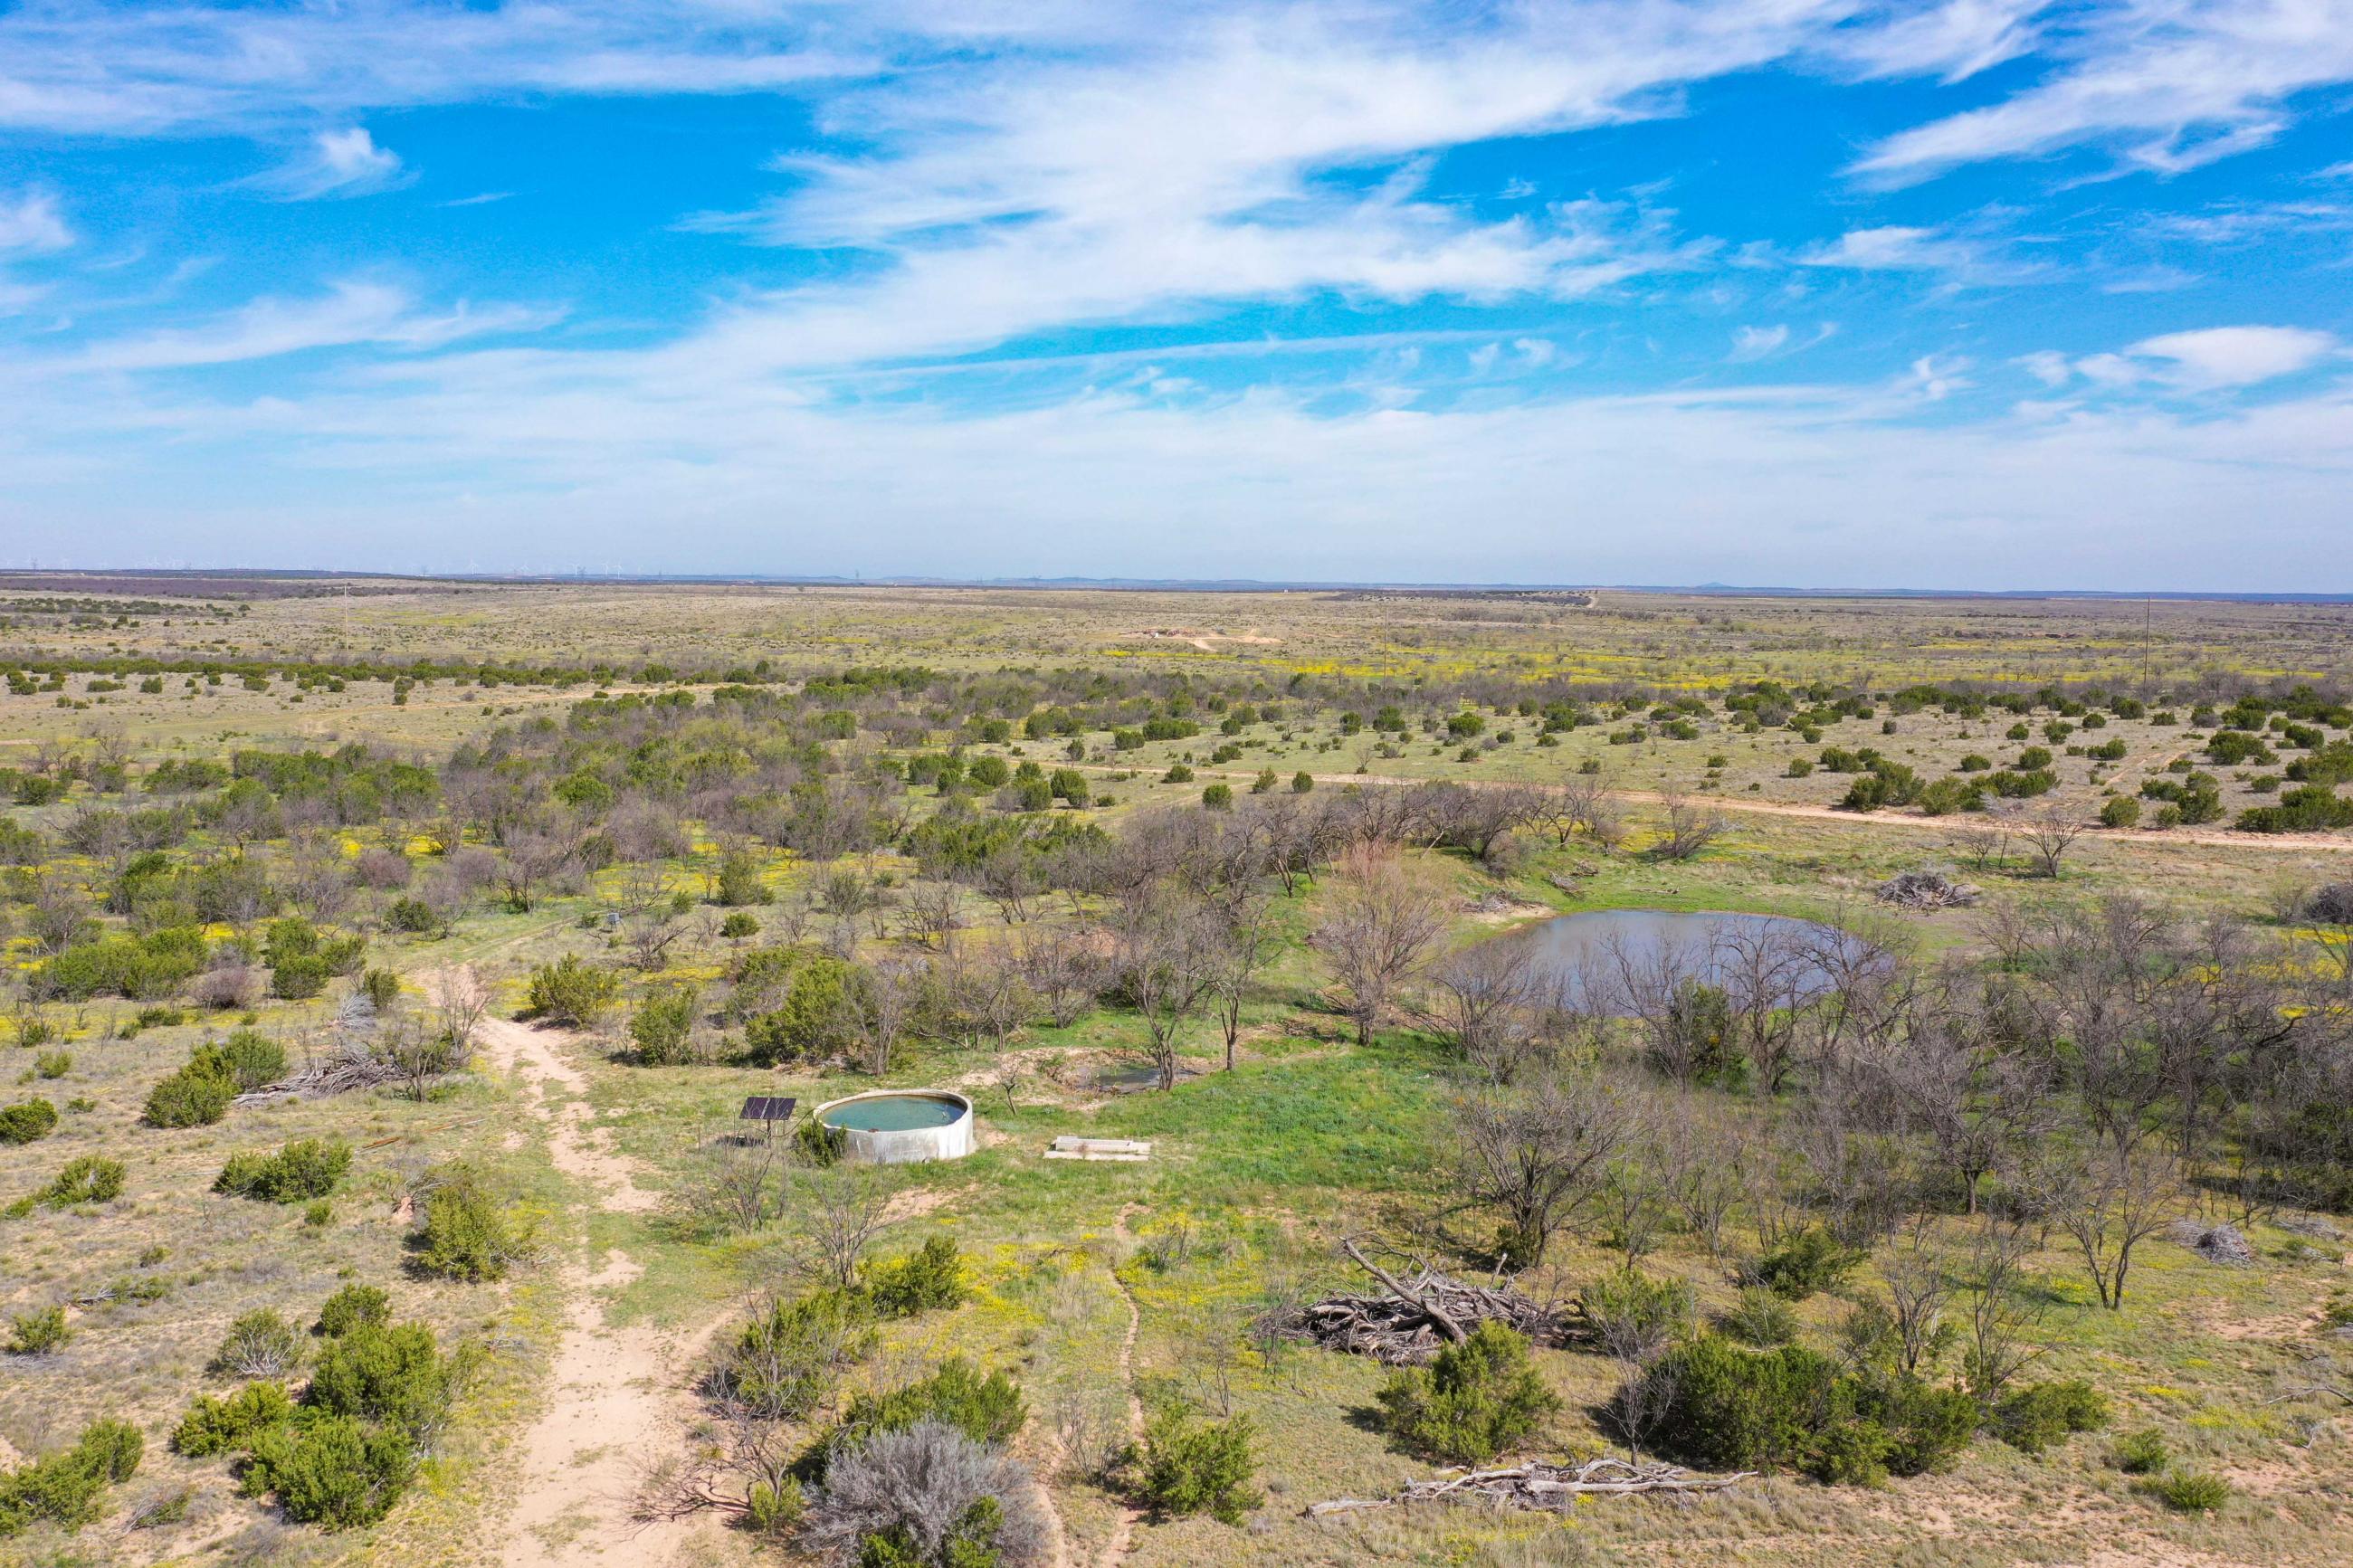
(387,1373)
(740,885)
(2120,811)
(2042,1414)
(930,1279)
(2189,1491)
(85,1179)
(1624,1311)
(1924,1428)
(307,1168)
(467,1232)
(1185,1467)
(352,1307)
(573,994)
(1807,1262)
(52,1064)
(38,1331)
(775,1511)
(663,1024)
(815,1017)
(1475,1401)
(381,988)
(233,1421)
(414,916)
(196,1096)
(27,1120)
(1217,798)
(739,925)
(2142,1453)
(1760,1319)
(299,977)
(259,1344)
(787,1359)
(331,1471)
(1733,1409)
(68,1489)
(1789,1408)
(988,1410)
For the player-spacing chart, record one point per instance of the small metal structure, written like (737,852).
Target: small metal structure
(768,1109)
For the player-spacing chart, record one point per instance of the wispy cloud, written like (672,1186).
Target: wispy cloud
(345,162)
(352,312)
(30,222)
(2167,84)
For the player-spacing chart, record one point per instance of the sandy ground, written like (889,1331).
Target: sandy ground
(615,1394)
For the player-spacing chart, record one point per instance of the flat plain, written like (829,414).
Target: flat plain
(688,843)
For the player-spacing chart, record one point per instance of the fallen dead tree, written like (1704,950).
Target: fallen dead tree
(1537,1485)
(1415,1314)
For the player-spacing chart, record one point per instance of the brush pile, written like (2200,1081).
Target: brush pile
(1541,1486)
(1417,1312)
(350,1060)
(1926,891)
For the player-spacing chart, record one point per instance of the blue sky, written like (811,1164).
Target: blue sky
(1810,292)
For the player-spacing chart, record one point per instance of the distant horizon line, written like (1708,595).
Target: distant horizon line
(1149,584)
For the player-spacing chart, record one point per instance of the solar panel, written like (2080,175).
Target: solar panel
(767,1108)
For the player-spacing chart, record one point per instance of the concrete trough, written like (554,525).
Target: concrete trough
(902,1126)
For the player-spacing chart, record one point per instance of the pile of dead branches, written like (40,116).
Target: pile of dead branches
(1417,1312)
(1926,891)
(344,1066)
(350,1060)
(1541,1486)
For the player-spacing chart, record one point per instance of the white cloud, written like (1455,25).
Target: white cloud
(2236,357)
(2169,84)
(1750,343)
(31,222)
(1954,41)
(523,458)
(345,162)
(1897,247)
(2209,358)
(351,312)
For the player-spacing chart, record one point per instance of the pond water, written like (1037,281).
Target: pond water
(1603,950)
(894,1113)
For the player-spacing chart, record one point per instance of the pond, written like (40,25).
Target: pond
(1606,953)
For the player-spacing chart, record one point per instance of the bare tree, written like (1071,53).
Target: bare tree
(1245,941)
(1486,997)
(459,1003)
(2002,1313)
(735,1183)
(883,999)
(1537,1153)
(1920,1287)
(838,1213)
(2121,1200)
(1382,916)
(932,915)
(1063,967)
(1703,1166)
(2051,832)
(1982,840)
(1687,827)
(1165,955)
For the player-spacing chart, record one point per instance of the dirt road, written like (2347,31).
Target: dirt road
(616,1395)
